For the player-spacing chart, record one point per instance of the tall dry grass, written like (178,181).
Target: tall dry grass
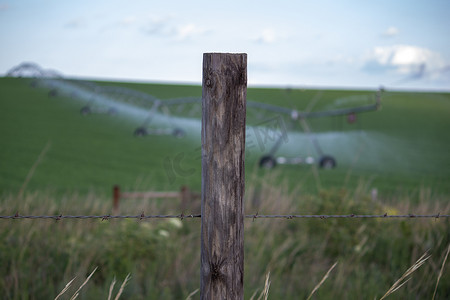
(40,257)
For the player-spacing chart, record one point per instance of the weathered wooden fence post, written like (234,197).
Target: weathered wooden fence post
(185,196)
(116,199)
(224,91)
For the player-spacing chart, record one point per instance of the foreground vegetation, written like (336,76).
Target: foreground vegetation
(39,257)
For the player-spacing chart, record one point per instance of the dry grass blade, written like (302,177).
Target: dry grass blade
(400,282)
(122,286)
(75,295)
(265,292)
(440,273)
(322,281)
(33,168)
(111,287)
(254,295)
(189,297)
(65,288)
(399,286)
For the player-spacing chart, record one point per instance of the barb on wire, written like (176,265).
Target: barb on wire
(182,216)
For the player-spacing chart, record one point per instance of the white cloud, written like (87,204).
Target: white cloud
(188,31)
(159,26)
(404,60)
(168,27)
(391,32)
(270,36)
(267,36)
(129,20)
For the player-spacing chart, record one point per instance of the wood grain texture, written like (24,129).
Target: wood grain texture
(223,149)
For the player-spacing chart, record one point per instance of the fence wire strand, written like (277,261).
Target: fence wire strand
(254,216)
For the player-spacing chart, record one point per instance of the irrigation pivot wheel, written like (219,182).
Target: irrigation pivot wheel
(53,93)
(140,131)
(327,162)
(85,110)
(267,162)
(179,133)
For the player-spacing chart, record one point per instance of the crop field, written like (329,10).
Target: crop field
(54,159)
(401,148)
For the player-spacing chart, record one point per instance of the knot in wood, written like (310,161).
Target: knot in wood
(216,273)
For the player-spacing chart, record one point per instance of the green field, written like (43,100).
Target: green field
(400,149)
(53,160)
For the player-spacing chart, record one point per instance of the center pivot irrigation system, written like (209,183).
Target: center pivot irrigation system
(192,107)
(160,115)
(326,161)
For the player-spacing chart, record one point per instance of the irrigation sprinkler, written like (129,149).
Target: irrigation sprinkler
(106,99)
(89,110)
(176,132)
(325,161)
(29,69)
(137,99)
(93,108)
(160,115)
(76,89)
(163,106)
(191,106)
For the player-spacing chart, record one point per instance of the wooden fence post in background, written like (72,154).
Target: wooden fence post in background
(185,196)
(116,199)
(224,90)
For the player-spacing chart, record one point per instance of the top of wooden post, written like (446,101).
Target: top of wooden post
(233,65)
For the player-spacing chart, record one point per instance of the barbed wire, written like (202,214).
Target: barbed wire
(350,216)
(182,216)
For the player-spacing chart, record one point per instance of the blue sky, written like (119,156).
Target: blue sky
(355,44)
